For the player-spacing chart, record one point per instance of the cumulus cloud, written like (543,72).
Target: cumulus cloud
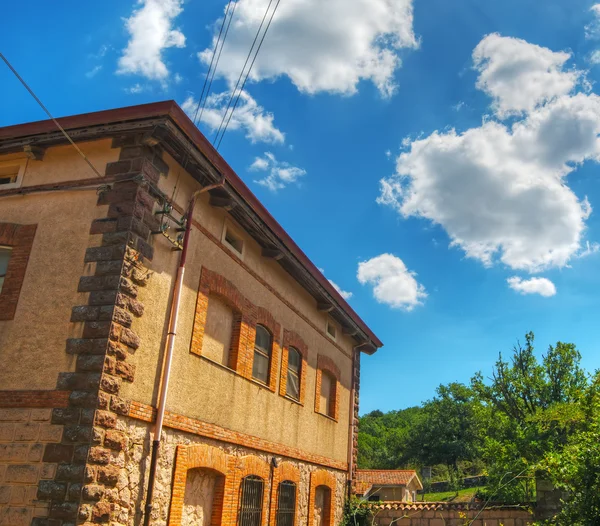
(592,30)
(249,116)
(542,286)
(500,191)
(151,31)
(279,173)
(321,46)
(393,284)
(343,293)
(519,76)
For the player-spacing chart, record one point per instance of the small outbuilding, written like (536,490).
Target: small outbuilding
(399,485)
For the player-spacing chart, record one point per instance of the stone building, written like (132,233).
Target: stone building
(259,418)
(395,485)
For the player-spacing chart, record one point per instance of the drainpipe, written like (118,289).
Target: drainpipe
(351,421)
(169,344)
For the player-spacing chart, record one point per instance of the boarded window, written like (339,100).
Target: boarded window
(201,491)
(262,354)
(252,489)
(286,504)
(217,331)
(322,506)
(327,394)
(4,257)
(292,386)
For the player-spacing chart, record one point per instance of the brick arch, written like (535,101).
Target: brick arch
(266,319)
(320,477)
(324,363)
(199,456)
(20,239)
(244,467)
(285,471)
(292,339)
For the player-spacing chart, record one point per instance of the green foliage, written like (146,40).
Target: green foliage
(356,514)
(533,415)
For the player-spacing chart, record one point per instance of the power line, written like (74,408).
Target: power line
(212,60)
(50,115)
(217,62)
(244,67)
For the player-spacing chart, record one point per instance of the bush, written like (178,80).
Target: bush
(356,513)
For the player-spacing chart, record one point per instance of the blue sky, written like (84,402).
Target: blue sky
(438,160)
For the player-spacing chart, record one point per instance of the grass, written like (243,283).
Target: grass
(464,495)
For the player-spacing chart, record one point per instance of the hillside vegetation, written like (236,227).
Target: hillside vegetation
(532,418)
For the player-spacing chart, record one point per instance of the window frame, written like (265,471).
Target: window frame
(257,511)
(21,163)
(265,353)
(331,335)
(326,364)
(229,229)
(8,249)
(19,238)
(297,374)
(290,511)
(292,339)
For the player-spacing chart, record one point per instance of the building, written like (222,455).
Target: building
(259,418)
(398,485)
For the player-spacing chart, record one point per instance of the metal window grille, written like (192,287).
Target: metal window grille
(262,354)
(286,504)
(251,501)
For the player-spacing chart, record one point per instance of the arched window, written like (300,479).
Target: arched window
(286,504)
(262,354)
(292,386)
(251,501)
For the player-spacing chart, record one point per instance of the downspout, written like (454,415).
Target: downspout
(169,345)
(351,422)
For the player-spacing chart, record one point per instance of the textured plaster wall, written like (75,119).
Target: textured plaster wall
(217,335)
(135,460)
(207,391)
(33,344)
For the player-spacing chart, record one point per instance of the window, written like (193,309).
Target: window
(262,354)
(292,387)
(233,240)
(331,330)
(252,489)
(11,174)
(5,253)
(218,329)
(373,498)
(286,504)
(328,385)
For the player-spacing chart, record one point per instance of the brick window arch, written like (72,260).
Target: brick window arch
(318,479)
(19,239)
(213,284)
(266,319)
(291,339)
(326,366)
(247,466)
(284,472)
(206,457)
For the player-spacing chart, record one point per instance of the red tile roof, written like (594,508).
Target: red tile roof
(365,478)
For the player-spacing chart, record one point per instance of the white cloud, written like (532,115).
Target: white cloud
(135,89)
(393,284)
(280,173)
(248,116)
(595,57)
(520,76)
(151,32)
(589,250)
(500,191)
(542,286)
(93,72)
(592,30)
(343,293)
(321,46)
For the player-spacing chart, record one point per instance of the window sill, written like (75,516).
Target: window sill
(327,416)
(234,372)
(290,399)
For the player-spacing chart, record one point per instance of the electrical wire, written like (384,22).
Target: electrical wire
(50,115)
(211,63)
(217,62)
(243,69)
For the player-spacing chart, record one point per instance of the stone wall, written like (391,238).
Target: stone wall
(449,514)
(133,462)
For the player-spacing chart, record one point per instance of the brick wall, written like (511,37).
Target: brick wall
(25,436)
